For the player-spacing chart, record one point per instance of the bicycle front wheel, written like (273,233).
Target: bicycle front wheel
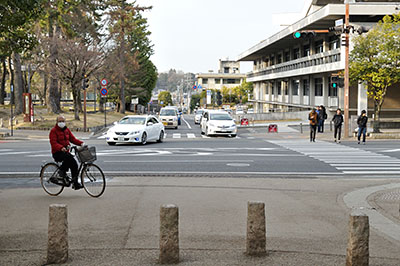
(48,173)
(93,180)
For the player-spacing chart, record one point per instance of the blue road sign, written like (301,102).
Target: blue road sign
(199,87)
(194,87)
(104,91)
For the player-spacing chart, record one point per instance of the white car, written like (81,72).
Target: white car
(217,123)
(239,111)
(198,115)
(136,129)
(169,117)
(250,111)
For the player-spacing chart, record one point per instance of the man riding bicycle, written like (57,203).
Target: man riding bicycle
(60,137)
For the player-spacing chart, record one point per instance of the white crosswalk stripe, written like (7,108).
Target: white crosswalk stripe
(176,136)
(191,136)
(347,160)
(180,136)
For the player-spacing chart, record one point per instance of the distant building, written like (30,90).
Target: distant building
(294,74)
(228,76)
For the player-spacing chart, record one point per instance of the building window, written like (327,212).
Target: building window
(279,58)
(272,60)
(334,43)
(205,81)
(295,87)
(226,69)
(279,88)
(318,87)
(296,53)
(273,88)
(332,91)
(319,47)
(217,81)
(231,81)
(287,56)
(306,87)
(306,50)
(286,88)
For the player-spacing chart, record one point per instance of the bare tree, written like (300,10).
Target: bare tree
(74,60)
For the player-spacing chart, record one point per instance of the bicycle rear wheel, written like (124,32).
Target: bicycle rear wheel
(93,180)
(50,170)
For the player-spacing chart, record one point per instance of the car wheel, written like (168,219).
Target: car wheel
(176,127)
(144,138)
(161,137)
(233,135)
(111,143)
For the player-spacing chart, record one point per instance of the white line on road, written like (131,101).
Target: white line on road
(176,136)
(205,137)
(191,136)
(186,123)
(184,161)
(394,150)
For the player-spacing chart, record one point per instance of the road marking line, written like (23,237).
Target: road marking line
(176,135)
(394,150)
(191,136)
(205,137)
(186,123)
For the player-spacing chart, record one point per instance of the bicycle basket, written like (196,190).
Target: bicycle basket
(87,155)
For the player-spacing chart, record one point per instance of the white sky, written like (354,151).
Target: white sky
(191,35)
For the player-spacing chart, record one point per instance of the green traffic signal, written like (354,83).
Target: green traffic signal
(297,35)
(334,85)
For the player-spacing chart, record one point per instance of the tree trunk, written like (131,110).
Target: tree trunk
(53,95)
(43,96)
(3,81)
(76,98)
(376,117)
(11,80)
(122,82)
(19,88)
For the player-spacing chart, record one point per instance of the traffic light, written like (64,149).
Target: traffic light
(304,34)
(219,98)
(344,41)
(337,29)
(336,82)
(85,82)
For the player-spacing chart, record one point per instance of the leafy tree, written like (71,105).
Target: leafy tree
(165,97)
(375,60)
(195,101)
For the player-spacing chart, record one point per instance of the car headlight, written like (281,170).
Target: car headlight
(234,125)
(134,132)
(175,118)
(211,125)
(110,131)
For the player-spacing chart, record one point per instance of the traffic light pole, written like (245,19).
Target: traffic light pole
(346,74)
(84,111)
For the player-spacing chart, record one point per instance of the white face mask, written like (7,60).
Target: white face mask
(61,124)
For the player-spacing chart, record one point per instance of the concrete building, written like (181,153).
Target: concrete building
(228,76)
(294,74)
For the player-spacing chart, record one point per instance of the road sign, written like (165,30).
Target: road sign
(339,22)
(194,87)
(208,92)
(104,82)
(199,87)
(135,100)
(104,91)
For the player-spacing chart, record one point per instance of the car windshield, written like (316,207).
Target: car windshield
(168,112)
(133,120)
(199,112)
(220,117)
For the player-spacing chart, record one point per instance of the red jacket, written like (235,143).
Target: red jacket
(60,138)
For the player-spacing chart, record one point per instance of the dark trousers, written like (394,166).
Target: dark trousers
(68,162)
(338,131)
(313,130)
(321,125)
(363,131)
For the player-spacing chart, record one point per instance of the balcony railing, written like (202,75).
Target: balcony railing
(308,61)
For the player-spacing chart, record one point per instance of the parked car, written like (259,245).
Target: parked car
(169,117)
(214,122)
(197,116)
(136,129)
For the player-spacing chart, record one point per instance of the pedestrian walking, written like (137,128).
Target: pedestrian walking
(362,126)
(322,116)
(313,118)
(337,123)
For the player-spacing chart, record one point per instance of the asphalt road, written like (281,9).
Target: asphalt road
(186,152)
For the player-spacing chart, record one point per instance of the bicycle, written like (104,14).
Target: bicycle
(92,177)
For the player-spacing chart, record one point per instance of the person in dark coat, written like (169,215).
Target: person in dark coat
(60,138)
(322,116)
(362,126)
(313,118)
(337,123)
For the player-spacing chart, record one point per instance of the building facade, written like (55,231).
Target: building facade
(228,76)
(294,74)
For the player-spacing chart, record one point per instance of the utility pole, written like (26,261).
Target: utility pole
(346,72)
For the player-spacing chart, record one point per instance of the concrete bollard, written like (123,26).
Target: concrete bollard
(169,234)
(358,243)
(57,245)
(256,229)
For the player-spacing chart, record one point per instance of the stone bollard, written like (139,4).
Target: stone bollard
(57,245)
(256,229)
(358,243)
(169,234)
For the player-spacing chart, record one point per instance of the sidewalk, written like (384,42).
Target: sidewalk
(307,222)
